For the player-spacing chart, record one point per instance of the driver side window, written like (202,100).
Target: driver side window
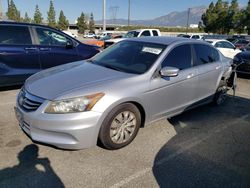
(50,38)
(179,57)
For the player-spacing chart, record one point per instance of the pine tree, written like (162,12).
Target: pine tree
(247,18)
(63,23)
(91,23)
(51,15)
(13,13)
(38,19)
(209,19)
(26,18)
(81,24)
(233,15)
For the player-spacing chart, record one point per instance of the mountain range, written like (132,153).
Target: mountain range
(173,19)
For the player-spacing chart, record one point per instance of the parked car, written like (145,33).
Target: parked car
(194,36)
(134,34)
(100,42)
(129,85)
(28,48)
(242,61)
(71,34)
(241,43)
(103,34)
(89,35)
(246,48)
(225,47)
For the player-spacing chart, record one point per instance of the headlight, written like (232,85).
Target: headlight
(79,104)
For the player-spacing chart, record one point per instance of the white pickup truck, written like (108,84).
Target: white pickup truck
(132,34)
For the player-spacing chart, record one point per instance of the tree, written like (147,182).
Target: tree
(209,19)
(13,13)
(38,19)
(63,23)
(221,10)
(233,16)
(51,15)
(81,24)
(91,23)
(26,19)
(247,18)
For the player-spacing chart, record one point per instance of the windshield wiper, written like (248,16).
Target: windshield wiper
(111,67)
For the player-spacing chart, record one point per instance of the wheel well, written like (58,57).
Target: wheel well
(142,111)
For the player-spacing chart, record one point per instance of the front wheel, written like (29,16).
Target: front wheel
(120,127)
(220,95)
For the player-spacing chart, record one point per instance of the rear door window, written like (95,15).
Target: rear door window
(145,34)
(180,57)
(15,35)
(155,33)
(205,54)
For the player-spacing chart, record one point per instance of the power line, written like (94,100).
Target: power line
(128,12)
(188,20)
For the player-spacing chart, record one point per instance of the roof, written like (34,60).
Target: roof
(163,40)
(216,40)
(22,23)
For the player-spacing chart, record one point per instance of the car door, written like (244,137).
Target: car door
(170,95)
(19,58)
(55,48)
(209,66)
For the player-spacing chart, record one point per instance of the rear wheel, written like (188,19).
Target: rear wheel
(120,127)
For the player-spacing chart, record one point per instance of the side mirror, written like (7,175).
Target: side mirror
(169,71)
(69,44)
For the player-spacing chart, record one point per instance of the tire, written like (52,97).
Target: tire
(220,95)
(120,127)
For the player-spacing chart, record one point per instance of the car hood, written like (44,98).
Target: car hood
(53,83)
(115,40)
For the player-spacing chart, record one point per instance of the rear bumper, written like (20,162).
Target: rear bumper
(68,131)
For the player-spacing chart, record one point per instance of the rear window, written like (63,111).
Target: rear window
(205,54)
(145,34)
(15,35)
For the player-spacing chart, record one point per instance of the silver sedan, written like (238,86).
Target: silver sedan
(127,86)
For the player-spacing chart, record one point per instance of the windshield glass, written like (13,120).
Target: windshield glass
(129,56)
(131,34)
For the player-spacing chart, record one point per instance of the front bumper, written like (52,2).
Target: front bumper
(68,131)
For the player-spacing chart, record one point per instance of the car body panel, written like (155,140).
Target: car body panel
(18,62)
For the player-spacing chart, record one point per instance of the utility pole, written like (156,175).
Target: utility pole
(188,20)
(104,15)
(1,10)
(128,12)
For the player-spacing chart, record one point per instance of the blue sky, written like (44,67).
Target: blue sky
(140,9)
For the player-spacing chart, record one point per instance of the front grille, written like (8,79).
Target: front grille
(29,102)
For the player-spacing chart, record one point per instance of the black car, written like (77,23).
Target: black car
(28,48)
(242,61)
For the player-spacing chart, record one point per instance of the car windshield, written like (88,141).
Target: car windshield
(129,56)
(131,34)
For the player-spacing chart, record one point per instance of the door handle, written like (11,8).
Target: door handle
(45,49)
(190,76)
(30,48)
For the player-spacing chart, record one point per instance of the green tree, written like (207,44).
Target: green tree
(38,19)
(247,18)
(63,23)
(221,10)
(81,24)
(240,25)
(91,23)
(233,16)
(209,19)
(13,13)
(26,19)
(51,15)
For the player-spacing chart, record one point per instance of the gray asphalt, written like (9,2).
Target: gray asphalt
(205,147)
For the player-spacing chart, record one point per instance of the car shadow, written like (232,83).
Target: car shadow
(7,88)
(211,148)
(30,172)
